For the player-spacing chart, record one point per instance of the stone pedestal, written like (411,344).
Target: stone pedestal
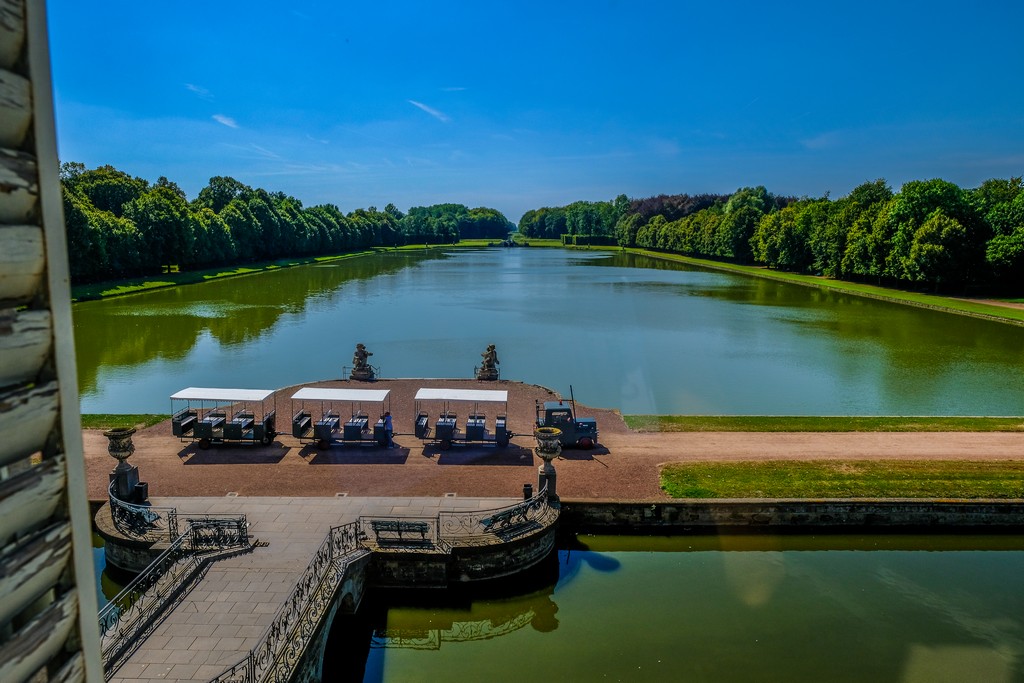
(548,448)
(362,374)
(487,374)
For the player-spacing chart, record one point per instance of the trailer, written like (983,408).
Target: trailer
(325,426)
(218,416)
(445,430)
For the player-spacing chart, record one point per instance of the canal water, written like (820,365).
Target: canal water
(627,332)
(717,609)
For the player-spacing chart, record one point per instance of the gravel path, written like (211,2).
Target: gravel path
(625,466)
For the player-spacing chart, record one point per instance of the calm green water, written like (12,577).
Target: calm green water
(628,332)
(721,609)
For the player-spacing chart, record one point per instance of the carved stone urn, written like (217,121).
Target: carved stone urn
(548,448)
(125,477)
(120,446)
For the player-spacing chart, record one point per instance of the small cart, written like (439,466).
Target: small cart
(325,426)
(216,416)
(445,430)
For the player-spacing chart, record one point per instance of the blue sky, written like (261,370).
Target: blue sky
(528,104)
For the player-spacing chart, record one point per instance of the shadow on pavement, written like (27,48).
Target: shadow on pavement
(481,455)
(355,455)
(233,455)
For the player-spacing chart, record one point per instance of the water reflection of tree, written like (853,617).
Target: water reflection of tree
(166,324)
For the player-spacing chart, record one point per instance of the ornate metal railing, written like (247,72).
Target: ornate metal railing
(143,522)
(295,624)
(479,526)
(131,612)
(285,640)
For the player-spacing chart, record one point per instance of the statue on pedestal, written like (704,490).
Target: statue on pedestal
(361,368)
(488,370)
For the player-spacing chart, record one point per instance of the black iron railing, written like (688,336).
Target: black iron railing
(285,640)
(142,522)
(125,620)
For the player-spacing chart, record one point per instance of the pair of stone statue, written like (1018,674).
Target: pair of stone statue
(361,368)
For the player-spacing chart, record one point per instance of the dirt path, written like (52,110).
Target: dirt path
(624,467)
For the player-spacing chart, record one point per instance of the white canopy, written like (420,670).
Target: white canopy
(315,394)
(461,395)
(230,395)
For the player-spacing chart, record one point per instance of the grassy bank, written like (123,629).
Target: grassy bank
(772,423)
(941,303)
(109,421)
(846,479)
(102,290)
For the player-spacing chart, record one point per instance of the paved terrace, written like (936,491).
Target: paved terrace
(227,611)
(626,466)
(225,614)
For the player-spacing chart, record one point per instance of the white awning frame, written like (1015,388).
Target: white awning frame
(473,395)
(349,395)
(222,395)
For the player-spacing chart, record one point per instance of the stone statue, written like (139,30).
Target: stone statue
(489,368)
(360,356)
(360,366)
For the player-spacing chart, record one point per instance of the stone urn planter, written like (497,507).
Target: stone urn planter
(548,448)
(120,446)
(124,477)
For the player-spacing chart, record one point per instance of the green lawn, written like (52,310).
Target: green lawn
(845,479)
(771,423)
(102,290)
(942,303)
(109,421)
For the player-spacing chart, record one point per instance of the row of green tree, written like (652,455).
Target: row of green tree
(122,226)
(931,234)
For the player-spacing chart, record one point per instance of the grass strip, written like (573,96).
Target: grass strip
(940,303)
(103,290)
(111,420)
(817,479)
(773,423)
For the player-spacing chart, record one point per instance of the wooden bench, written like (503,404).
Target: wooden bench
(394,528)
(422,426)
(183,421)
(302,422)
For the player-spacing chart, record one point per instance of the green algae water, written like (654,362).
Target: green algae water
(626,331)
(717,609)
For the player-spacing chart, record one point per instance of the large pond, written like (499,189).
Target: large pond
(627,332)
(721,609)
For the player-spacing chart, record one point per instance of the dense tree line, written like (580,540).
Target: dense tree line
(451,222)
(932,234)
(122,226)
(578,218)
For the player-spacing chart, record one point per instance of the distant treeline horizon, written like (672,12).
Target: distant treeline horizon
(932,234)
(120,226)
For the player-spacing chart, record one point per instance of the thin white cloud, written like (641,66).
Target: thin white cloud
(454,88)
(439,115)
(225,120)
(263,151)
(199,90)
(827,140)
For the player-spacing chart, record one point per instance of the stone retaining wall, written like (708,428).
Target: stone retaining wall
(710,515)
